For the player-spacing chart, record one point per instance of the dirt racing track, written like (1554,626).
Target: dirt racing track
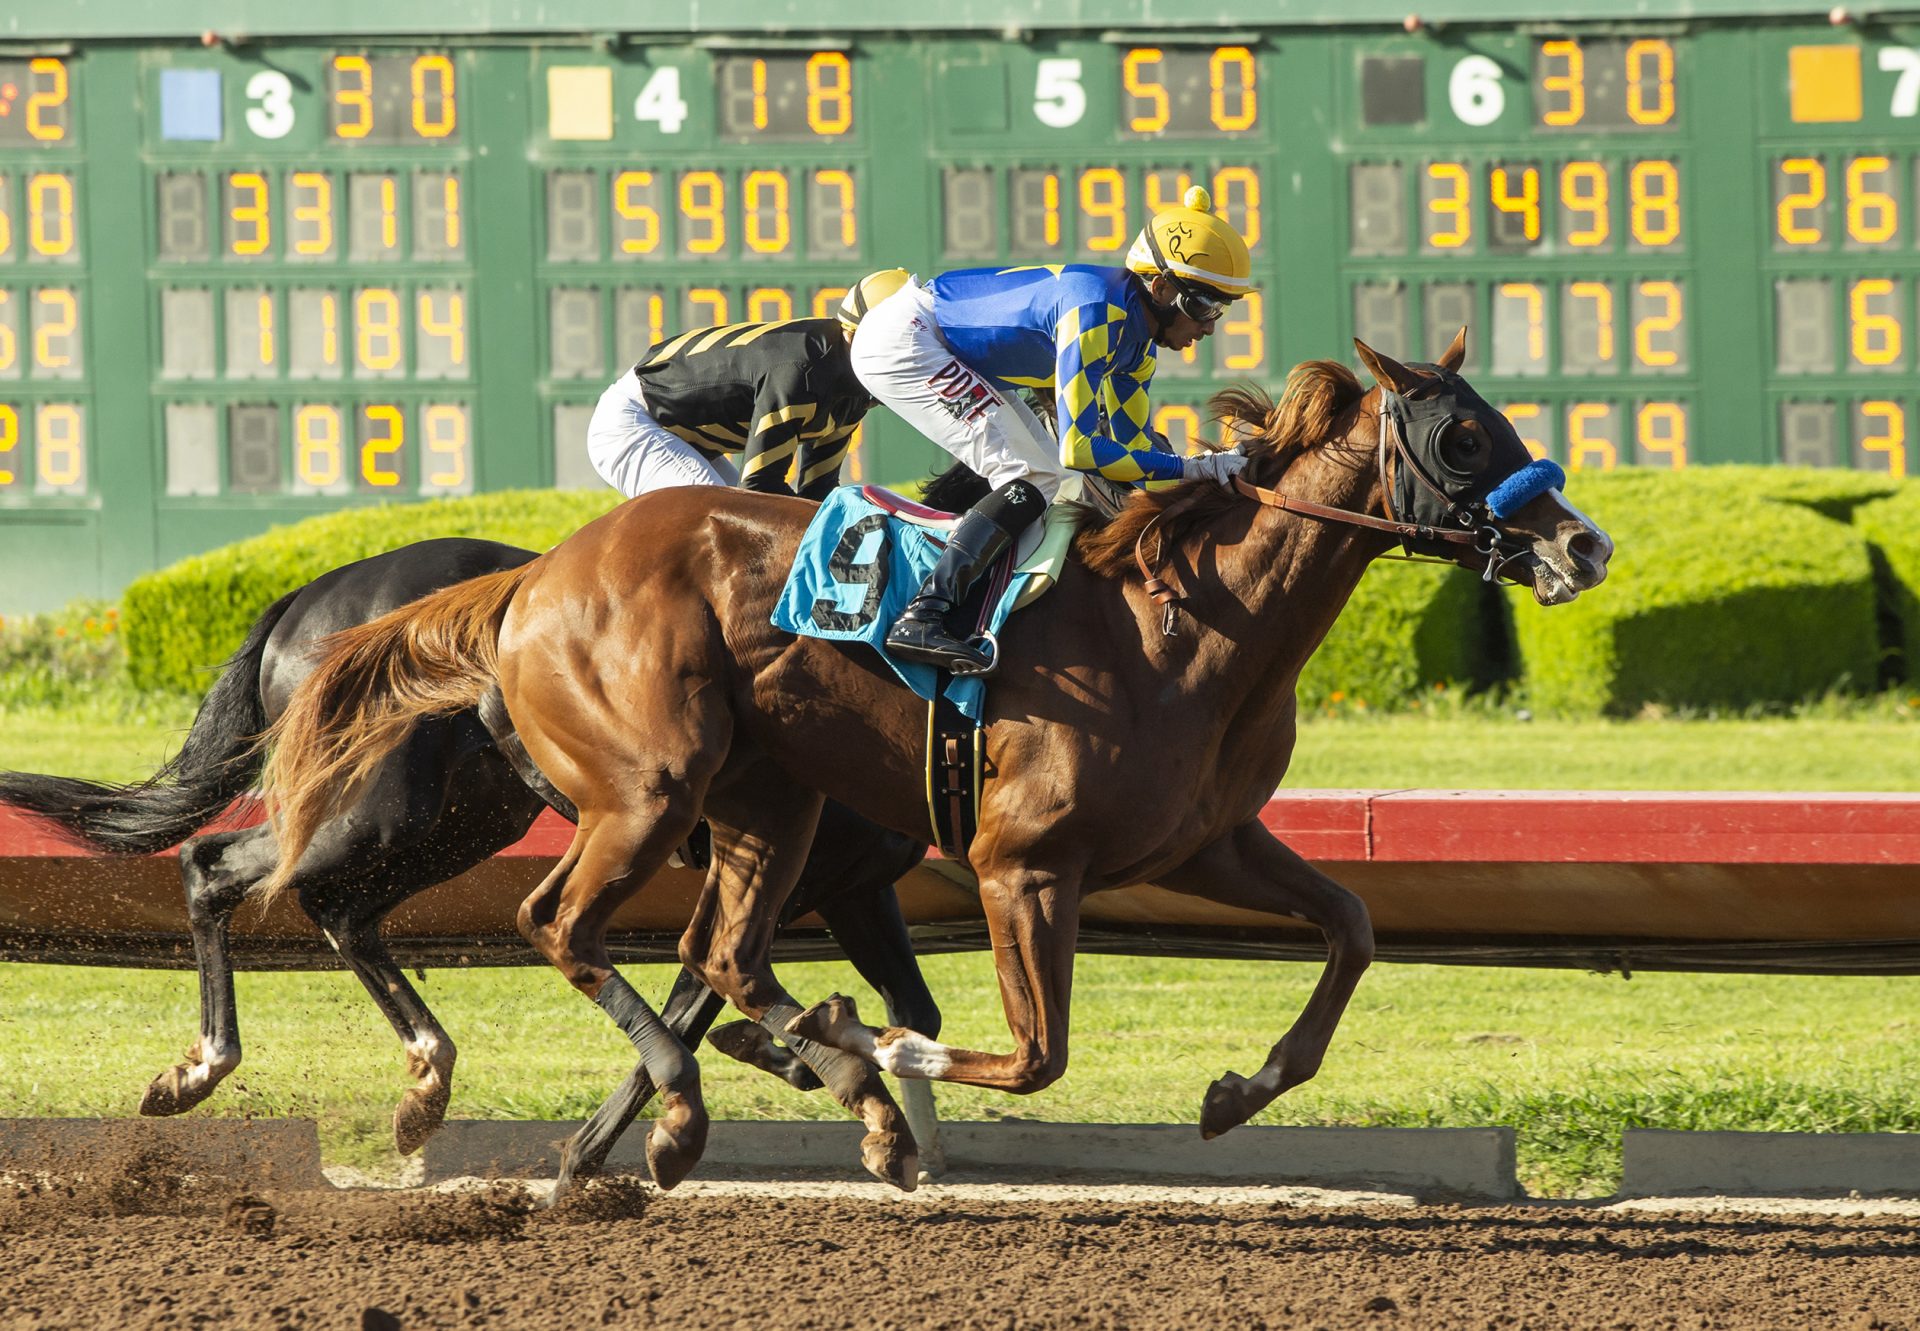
(203,1222)
(141,1243)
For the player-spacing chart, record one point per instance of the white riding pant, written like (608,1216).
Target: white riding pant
(899,355)
(634,453)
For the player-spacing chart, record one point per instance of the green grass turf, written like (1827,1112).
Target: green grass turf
(1567,1059)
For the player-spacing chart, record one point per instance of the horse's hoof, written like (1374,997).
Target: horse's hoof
(1224,1106)
(892,1157)
(823,1022)
(678,1140)
(171,1093)
(417,1117)
(743,1041)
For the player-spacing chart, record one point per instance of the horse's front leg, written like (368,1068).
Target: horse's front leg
(1033,918)
(1250,868)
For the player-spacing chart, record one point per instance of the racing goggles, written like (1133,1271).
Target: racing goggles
(1196,305)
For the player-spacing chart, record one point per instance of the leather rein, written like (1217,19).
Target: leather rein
(1169,591)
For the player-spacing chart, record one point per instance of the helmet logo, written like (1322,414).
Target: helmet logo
(1177,236)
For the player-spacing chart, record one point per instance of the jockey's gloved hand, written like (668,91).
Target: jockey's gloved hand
(1221,467)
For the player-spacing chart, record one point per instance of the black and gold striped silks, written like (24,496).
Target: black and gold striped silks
(781,395)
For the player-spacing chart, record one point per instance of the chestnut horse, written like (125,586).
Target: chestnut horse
(1128,741)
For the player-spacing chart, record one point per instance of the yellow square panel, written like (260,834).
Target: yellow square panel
(1823,84)
(580,102)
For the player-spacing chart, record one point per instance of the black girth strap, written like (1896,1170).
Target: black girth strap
(954,761)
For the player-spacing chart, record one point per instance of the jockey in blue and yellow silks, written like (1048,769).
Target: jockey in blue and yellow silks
(948,357)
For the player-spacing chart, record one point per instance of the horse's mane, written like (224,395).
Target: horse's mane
(1316,395)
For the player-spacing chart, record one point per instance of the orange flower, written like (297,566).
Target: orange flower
(91,626)
(1338,695)
(60,632)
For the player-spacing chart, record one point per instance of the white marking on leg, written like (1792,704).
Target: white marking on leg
(911,1054)
(858,1039)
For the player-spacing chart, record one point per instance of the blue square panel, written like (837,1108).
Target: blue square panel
(190,105)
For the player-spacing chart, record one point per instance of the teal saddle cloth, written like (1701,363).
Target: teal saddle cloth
(858,566)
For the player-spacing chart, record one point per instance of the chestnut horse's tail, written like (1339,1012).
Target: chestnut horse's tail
(371,685)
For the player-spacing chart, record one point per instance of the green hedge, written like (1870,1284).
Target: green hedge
(1408,626)
(189,617)
(1730,586)
(1892,527)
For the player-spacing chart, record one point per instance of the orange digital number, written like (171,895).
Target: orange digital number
(1180,425)
(1243,116)
(252,224)
(1456,204)
(1813,173)
(387,443)
(431,79)
(1525,204)
(1662,430)
(1583,189)
(1581,446)
(1570,84)
(317,455)
(1602,297)
(1521,415)
(443,429)
(64,319)
(1103,197)
(1144,89)
(1873,216)
(1875,336)
(357,96)
(826,301)
(1653,189)
(829,94)
(644,236)
(1657,110)
(703,201)
(9,442)
(376,328)
(773,184)
(1535,303)
(50,214)
(841,182)
(1251,325)
(1644,332)
(315,212)
(1891,438)
(50,98)
(767,305)
(59,449)
(1236,190)
(713,301)
(452,327)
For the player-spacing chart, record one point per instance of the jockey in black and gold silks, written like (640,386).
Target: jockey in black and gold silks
(782,396)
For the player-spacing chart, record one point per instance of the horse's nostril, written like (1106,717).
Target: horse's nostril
(1588,548)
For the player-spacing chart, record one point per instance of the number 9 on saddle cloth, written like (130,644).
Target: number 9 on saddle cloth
(867,551)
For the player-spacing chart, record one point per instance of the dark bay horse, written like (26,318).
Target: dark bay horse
(1127,742)
(455,792)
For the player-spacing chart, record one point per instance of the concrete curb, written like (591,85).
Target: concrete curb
(1461,1162)
(1768,1164)
(281,1152)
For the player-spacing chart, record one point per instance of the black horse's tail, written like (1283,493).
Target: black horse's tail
(216,765)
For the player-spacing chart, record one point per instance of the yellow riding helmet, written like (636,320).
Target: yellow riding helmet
(1194,247)
(868,292)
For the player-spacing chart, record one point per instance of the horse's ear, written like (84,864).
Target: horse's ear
(1456,353)
(1386,370)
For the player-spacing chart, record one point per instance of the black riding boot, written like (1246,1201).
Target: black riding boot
(983,533)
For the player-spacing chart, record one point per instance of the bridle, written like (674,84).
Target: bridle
(1467,530)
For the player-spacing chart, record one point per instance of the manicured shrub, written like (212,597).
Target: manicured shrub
(1728,589)
(1891,527)
(186,619)
(1407,627)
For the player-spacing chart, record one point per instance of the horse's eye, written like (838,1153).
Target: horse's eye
(1467,445)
